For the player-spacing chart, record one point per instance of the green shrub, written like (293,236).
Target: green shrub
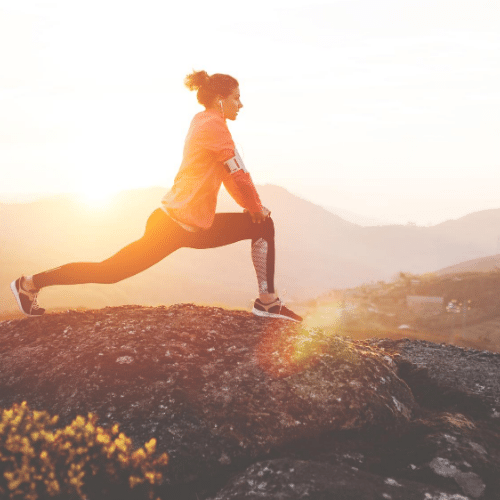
(81,461)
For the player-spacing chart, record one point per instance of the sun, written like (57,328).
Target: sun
(96,197)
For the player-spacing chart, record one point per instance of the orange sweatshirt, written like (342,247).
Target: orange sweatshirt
(193,198)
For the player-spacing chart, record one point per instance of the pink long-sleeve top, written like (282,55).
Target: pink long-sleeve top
(192,200)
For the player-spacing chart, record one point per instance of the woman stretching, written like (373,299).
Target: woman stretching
(187,215)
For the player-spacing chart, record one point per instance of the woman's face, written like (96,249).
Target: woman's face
(231,104)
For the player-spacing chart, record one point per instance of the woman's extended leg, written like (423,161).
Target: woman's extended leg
(161,237)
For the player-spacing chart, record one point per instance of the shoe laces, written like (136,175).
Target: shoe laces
(34,300)
(33,296)
(282,303)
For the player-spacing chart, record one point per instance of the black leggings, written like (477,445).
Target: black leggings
(162,237)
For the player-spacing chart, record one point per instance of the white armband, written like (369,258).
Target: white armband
(235,163)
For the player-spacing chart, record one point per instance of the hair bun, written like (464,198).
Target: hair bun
(196,80)
(210,87)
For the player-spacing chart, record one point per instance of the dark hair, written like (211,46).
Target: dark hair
(209,87)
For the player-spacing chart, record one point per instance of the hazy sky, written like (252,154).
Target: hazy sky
(387,108)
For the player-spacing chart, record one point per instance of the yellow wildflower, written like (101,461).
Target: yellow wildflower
(150,476)
(133,480)
(14,482)
(78,422)
(69,431)
(121,443)
(150,446)
(139,454)
(53,488)
(49,437)
(7,414)
(111,449)
(76,482)
(103,438)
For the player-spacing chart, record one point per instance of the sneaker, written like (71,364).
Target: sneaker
(275,309)
(26,300)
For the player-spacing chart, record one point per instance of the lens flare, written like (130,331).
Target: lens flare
(325,316)
(288,350)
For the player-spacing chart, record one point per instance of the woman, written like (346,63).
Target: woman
(187,215)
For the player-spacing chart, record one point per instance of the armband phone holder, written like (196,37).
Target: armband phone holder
(235,164)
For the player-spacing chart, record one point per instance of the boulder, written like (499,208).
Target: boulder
(447,376)
(227,394)
(287,479)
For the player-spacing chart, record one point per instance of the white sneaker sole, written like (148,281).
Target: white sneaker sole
(13,287)
(265,314)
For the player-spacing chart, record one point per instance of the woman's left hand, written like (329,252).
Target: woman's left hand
(258,217)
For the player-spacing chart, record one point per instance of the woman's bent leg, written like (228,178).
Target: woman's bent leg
(161,237)
(229,228)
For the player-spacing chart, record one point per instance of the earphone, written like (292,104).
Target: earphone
(221,108)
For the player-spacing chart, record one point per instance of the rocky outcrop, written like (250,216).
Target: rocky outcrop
(253,408)
(448,377)
(288,479)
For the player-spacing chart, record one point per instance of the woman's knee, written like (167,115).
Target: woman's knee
(263,230)
(267,229)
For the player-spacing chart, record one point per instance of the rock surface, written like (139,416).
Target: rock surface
(449,376)
(295,479)
(253,408)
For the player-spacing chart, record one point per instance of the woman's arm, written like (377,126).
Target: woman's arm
(240,186)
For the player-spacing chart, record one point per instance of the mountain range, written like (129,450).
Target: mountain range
(317,250)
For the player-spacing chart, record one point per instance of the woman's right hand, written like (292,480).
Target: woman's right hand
(258,217)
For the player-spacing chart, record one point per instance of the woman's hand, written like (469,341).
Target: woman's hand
(258,217)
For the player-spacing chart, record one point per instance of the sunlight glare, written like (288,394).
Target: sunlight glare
(96,197)
(325,316)
(282,353)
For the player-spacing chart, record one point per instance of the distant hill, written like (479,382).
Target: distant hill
(482,265)
(380,309)
(360,220)
(316,250)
